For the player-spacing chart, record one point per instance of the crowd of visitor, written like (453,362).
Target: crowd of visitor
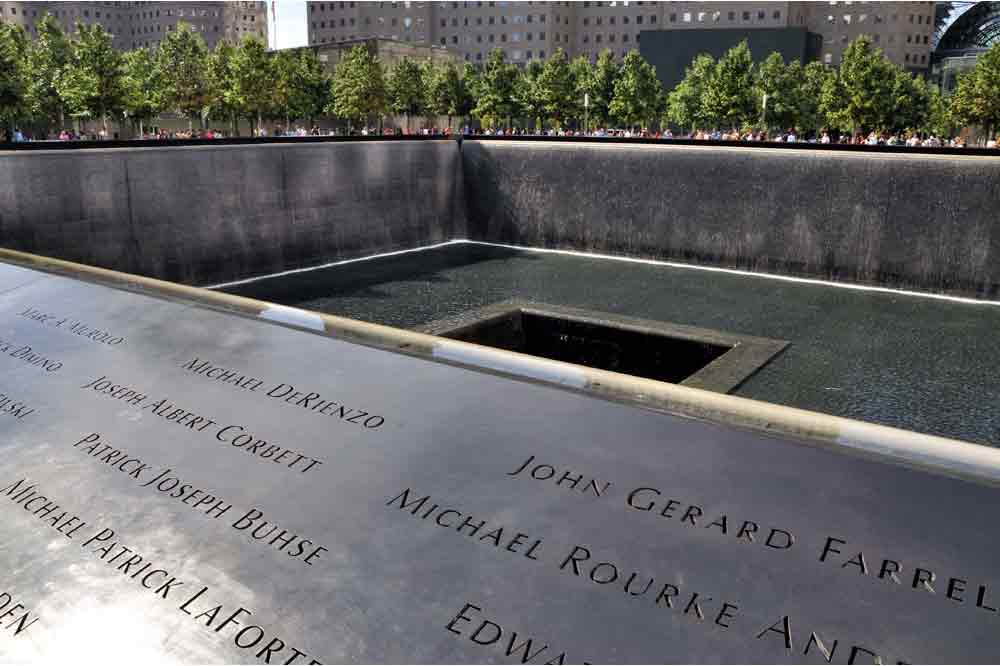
(911,140)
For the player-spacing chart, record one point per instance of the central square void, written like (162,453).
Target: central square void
(655,350)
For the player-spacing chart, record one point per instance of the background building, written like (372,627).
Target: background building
(968,37)
(388,51)
(138,24)
(672,52)
(533,30)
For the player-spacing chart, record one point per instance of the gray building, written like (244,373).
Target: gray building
(145,24)
(533,30)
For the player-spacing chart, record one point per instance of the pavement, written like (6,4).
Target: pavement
(909,361)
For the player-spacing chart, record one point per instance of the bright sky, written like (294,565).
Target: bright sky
(291,23)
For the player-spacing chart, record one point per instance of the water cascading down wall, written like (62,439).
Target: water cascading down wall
(209,214)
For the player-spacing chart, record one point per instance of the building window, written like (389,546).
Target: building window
(687,17)
(828,58)
(777,15)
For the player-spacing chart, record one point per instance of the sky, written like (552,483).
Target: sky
(291,22)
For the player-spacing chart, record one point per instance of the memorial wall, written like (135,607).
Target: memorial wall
(917,221)
(209,214)
(186,485)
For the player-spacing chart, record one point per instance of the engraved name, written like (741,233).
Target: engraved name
(73,326)
(450,518)
(237,436)
(310,401)
(15,408)
(469,623)
(14,615)
(26,354)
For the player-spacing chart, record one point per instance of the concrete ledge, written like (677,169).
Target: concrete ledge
(937,454)
(926,222)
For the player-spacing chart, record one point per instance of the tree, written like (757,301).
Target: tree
(600,86)
(313,91)
(405,89)
(253,81)
(495,89)
(47,57)
(637,92)
(860,96)
(92,82)
(976,100)
(221,96)
(446,92)
(938,119)
(527,95)
(684,105)
(301,87)
(808,93)
(728,97)
(182,59)
(142,94)
(13,74)
(358,87)
(910,98)
(779,83)
(557,90)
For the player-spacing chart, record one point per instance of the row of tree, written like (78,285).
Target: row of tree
(58,78)
(81,76)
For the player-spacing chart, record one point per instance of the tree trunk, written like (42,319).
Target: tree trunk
(141,131)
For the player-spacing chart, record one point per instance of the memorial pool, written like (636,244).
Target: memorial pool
(910,361)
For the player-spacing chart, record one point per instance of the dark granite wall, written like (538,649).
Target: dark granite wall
(915,221)
(202,215)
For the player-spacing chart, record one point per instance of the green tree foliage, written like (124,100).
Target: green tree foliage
(938,120)
(637,92)
(729,96)
(253,81)
(446,94)
(910,99)
(47,57)
(557,90)
(220,98)
(406,90)
(527,95)
(780,84)
(684,103)
(860,97)
(301,87)
(92,83)
(358,87)
(976,100)
(13,74)
(142,94)
(809,92)
(313,91)
(601,88)
(495,90)
(182,59)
